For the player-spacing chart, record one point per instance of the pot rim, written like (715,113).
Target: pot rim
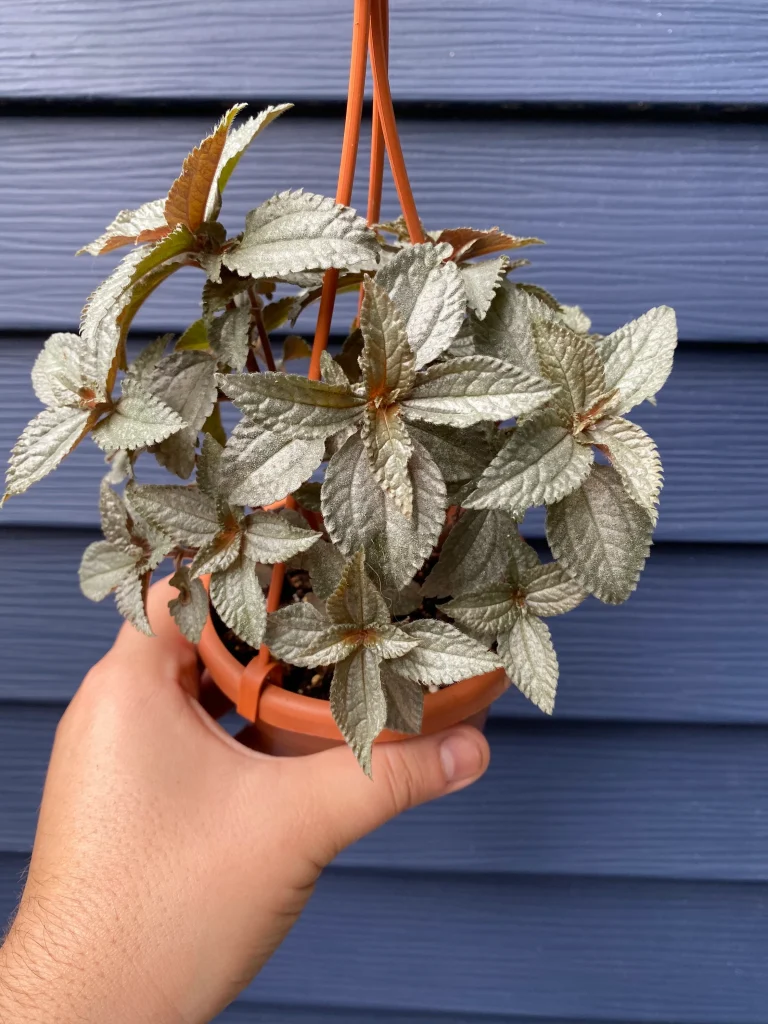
(294,712)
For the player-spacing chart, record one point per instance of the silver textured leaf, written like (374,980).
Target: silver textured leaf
(325,565)
(209,468)
(549,590)
(184,381)
(145,362)
(297,231)
(444,655)
(460,392)
(488,611)
(405,701)
(127,225)
(475,554)
(358,705)
(131,601)
(43,443)
(572,364)
(237,596)
(177,452)
(139,419)
(575,318)
(601,536)
(387,360)
(506,331)
(429,295)
(541,462)
(273,537)
(185,514)
(286,403)
(638,357)
(103,567)
(230,336)
(522,560)
(260,467)
(114,519)
(481,282)
(237,141)
(56,375)
(356,599)
(301,635)
(218,554)
(390,642)
(634,456)
(330,370)
(389,448)
(357,513)
(460,454)
(190,608)
(530,661)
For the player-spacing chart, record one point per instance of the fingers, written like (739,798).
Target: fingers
(345,805)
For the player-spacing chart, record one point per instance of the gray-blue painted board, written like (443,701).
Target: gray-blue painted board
(634,215)
(530,949)
(691,51)
(710,426)
(685,802)
(690,646)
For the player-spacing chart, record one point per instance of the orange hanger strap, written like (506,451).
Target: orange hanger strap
(257,673)
(388,123)
(355,93)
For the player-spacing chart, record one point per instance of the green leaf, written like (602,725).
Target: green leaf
(358,513)
(190,608)
(540,463)
(444,655)
(475,554)
(429,295)
(43,443)
(260,467)
(460,392)
(549,590)
(634,456)
(638,357)
(530,660)
(481,282)
(297,231)
(506,331)
(127,226)
(238,599)
(460,454)
(236,143)
(601,536)
(230,337)
(389,448)
(187,515)
(103,567)
(572,364)
(358,705)
(301,635)
(287,403)
(137,420)
(356,599)
(387,359)
(272,537)
(57,376)
(489,611)
(131,601)
(195,338)
(405,701)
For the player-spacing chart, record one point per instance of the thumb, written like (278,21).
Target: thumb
(345,804)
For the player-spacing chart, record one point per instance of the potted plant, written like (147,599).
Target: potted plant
(349,556)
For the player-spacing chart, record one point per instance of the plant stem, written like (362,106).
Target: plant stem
(388,123)
(261,330)
(346,179)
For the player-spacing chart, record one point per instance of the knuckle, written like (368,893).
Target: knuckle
(403,776)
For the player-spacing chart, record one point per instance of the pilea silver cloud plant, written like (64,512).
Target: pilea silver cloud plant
(400,477)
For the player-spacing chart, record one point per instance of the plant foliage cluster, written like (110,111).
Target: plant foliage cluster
(460,400)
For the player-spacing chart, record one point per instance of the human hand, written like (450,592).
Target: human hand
(170,861)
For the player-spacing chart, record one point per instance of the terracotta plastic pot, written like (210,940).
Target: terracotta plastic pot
(287,723)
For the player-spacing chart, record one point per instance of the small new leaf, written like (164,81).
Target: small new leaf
(356,599)
(298,231)
(389,448)
(481,282)
(601,536)
(145,224)
(530,660)
(387,360)
(190,608)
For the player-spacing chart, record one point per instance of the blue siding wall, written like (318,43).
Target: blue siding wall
(613,865)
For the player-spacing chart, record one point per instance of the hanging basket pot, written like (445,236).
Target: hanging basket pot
(287,723)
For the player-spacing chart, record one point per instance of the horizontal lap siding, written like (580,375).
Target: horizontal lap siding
(691,51)
(634,215)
